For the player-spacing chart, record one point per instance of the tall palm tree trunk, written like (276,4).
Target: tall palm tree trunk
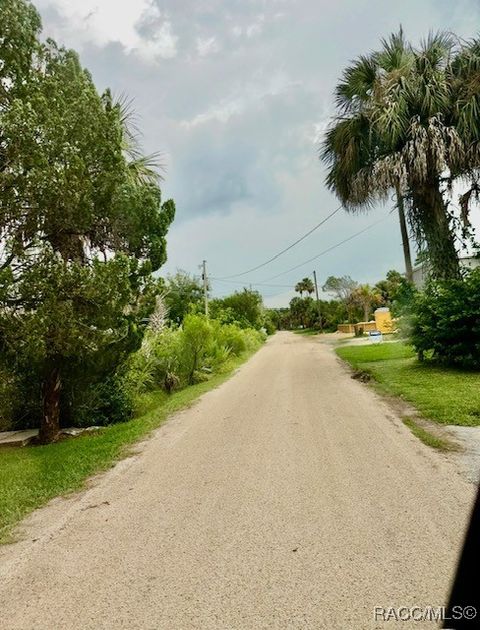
(434,224)
(404,231)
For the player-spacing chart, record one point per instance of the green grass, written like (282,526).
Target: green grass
(448,396)
(426,437)
(31,476)
(307,331)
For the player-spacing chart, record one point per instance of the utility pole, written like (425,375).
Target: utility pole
(318,301)
(205,286)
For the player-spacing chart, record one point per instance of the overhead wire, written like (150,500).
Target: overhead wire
(299,240)
(326,251)
(253,284)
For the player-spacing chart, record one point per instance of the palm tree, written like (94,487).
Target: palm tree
(305,286)
(366,297)
(407,122)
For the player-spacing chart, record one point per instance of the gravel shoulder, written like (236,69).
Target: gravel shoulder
(290,497)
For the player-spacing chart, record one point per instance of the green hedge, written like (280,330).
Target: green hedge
(445,324)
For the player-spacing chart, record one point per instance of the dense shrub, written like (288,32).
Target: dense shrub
(9,395)
(445,325)
(242,308)
(174,358)
(196,339)
(168,359)
(105,403)
(231,337)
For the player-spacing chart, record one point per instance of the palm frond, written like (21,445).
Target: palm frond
(142,168)
(357,84)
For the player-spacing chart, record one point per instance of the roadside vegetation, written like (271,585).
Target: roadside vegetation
(31,476)
(176,363)
(445,395)
(351,302)
(438,443)
(406,128)
(91,335)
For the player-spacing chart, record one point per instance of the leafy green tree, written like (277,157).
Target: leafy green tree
(305,286)
(81,233)
(342,288)
(183,292)
(246,307)
(396,291)
(18,45)
(407,122)
(281,318)
(303,311)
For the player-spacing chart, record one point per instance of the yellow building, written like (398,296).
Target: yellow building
(383,320)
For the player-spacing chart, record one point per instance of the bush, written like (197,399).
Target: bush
(231,337)
(195,344)
(157,363)
(9,396)
(445,323)
(174,358)
(105,403)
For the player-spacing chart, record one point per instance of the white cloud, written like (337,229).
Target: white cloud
(243,98)
(207,46)
(102,22)
(253,29)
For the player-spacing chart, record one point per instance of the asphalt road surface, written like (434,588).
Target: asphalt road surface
(290,497)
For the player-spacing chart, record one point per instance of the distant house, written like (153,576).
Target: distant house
(420,273)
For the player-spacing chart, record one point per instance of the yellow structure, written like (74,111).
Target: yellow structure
(346,328)
(383,320)
(365,327)
(383,323)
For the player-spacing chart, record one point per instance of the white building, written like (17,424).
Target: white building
(420,273)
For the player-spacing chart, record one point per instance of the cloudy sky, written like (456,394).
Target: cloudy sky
(236,95)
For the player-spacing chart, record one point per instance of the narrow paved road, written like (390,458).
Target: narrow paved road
(290,497)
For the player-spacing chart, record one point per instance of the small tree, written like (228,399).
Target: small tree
(342,288)
(183,292)
(366,297)
(196,338)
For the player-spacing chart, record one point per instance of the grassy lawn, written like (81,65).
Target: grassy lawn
(445,395)
(31,476)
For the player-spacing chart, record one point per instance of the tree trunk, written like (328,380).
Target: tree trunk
(366,312)
(405,241)
(432,219)
(50,424)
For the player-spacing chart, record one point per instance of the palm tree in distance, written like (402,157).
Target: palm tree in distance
(407,123)
(366,297)
(305,286)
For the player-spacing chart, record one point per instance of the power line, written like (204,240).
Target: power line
(254,284)
(327,250)
(267,262)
